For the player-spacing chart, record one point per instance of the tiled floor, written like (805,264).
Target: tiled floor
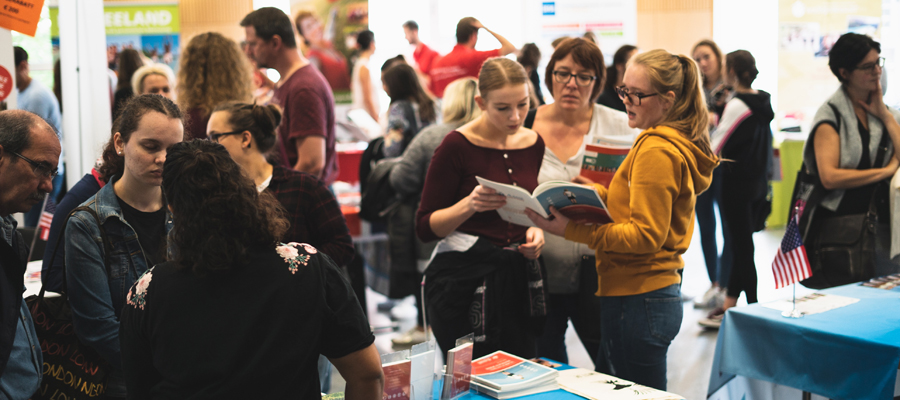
(690,355)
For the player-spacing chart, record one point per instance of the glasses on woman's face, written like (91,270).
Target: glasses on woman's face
(870,67)
(216,136)
(624,93)
(41,169)
(580,79)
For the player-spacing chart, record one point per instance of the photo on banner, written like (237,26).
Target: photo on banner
(806,33)
(153,29)
(328,30)
(612,28)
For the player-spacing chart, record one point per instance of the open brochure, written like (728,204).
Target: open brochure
(602,160)
(577,202)
(596,386)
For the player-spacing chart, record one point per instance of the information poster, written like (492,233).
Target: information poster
(612,22)
(328,31)
(153,29)
(807,31)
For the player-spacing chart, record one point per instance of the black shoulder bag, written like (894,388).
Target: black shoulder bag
(840,249)
(71,369)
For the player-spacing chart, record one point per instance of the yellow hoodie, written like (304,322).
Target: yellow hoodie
(651,201)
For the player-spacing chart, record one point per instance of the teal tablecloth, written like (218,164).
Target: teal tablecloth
(847,353)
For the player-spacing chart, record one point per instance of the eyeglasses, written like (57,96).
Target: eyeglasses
(580,79)
(216,136)
(870,67)
(41,169)
(623,94)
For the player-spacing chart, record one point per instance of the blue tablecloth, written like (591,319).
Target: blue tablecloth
(847,353)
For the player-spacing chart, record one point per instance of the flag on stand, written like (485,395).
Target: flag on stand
(791,265)
(46,219)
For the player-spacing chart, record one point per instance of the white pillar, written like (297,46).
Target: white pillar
(87,121)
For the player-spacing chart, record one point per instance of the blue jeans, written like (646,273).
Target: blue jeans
(635,335)
(719,268)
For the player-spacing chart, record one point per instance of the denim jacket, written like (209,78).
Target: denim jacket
(96,297)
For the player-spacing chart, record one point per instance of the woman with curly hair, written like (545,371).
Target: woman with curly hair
(236,313)
(213,70)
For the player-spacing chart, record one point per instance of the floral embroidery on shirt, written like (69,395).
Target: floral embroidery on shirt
(138,293)
(291,254)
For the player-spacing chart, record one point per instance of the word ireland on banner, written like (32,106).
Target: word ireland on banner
(791,265)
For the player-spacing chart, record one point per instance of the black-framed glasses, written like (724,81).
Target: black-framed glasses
(580,79)
(870,67)
(216,136)
(41,169)
(623,94)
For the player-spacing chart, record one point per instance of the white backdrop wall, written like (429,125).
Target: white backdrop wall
(739,26)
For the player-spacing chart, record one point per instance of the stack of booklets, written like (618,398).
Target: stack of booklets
(502,375)
(596,386)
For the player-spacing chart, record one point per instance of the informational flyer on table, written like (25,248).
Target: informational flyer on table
(613,22)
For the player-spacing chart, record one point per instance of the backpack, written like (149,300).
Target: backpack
(377,197)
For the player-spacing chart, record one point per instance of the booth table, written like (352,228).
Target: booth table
(851,352)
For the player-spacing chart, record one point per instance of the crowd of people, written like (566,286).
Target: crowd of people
(204,255)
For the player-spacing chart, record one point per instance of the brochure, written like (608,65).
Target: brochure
(397,380)
(578,202)
(812,304)
(459,370)
(601,161)
(597,386)
(505,372)
(887,282)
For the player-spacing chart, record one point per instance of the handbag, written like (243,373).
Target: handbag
(840,249)
(71,368)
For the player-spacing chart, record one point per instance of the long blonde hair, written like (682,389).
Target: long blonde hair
(680,75)
(459,101)
(213,70)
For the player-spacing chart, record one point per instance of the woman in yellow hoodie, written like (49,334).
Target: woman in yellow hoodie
(651,201)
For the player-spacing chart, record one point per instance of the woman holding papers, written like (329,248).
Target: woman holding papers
(484,276)
(574,77)
(651,201)
(744,139)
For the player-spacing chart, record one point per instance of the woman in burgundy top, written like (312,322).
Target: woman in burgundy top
(484,276)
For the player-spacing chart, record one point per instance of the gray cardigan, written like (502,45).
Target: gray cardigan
(851,144)
(408,175)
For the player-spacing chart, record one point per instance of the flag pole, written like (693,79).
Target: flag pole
(794,312)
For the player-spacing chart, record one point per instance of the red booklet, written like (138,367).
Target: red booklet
(396,380)
(601,162)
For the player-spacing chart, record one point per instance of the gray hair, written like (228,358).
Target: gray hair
(15,130)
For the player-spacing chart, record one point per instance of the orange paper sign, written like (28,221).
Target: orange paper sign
(20,15)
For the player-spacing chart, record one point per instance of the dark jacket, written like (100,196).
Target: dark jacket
(13,260)
(749,146)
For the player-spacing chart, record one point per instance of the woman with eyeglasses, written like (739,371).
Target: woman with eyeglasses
(844,141)
(248,133)
(134,220)
(484,266)
(651,202)
(574,77)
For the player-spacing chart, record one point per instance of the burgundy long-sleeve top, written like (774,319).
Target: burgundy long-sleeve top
(451,177)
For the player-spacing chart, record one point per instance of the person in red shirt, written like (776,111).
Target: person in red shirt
(423,54)
(464,60)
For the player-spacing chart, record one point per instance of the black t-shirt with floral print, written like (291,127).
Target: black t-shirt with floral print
(254,331)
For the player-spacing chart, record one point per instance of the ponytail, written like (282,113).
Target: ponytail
(680,75)
(260,121)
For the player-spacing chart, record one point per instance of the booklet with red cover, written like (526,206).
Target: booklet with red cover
(396,380)
(601,161)
(459,371)
(507,373)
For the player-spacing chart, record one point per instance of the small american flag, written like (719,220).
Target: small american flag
(46,218)
(791,265)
